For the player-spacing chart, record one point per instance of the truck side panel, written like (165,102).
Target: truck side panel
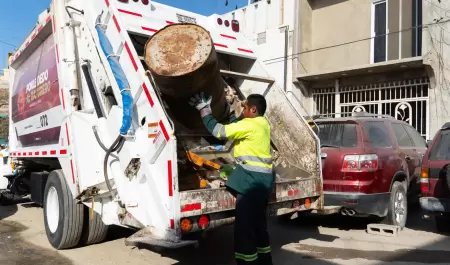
(36,112)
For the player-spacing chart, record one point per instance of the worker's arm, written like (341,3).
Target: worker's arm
(235,130)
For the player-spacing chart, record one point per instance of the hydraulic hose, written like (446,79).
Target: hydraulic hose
(97,137)
(115,145)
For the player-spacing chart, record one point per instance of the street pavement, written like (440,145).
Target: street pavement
(308,240)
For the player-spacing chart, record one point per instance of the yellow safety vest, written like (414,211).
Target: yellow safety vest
(252,143)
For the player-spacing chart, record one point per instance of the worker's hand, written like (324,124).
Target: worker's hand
(201,103)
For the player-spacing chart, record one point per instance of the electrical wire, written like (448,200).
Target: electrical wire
(7,43)
(360,40)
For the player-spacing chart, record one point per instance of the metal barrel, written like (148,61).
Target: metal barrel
(183,62)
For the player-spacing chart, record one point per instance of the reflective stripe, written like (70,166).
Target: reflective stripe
(244,257)
(260,169)
(219,131)
(264,250)
(254,159)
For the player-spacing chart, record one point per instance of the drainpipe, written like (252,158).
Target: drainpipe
(296,40)
(286,50)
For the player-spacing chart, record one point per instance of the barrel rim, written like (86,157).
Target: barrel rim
(168,26)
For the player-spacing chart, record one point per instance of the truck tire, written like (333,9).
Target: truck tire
(63,216)
(398,205)
(94,231)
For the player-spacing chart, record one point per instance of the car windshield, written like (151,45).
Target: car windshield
(441,148)
(338,134)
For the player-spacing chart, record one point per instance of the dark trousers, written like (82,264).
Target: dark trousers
(251,238)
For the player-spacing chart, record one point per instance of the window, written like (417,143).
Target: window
(402,136)
(261,38)
(417,28)
(441,148)
(338,134)
(415,136)
(378,134)
(379,31)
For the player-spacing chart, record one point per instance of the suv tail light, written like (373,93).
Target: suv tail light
(424,181)
(360,163)
(235,25)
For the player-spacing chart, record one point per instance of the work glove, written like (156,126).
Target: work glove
(201,103)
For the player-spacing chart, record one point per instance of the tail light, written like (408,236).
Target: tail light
(307,203)
(227,23)
(219,21)
(424,180)
(145,2)
(358,163)
(186,225)
(235,25)
(203,222)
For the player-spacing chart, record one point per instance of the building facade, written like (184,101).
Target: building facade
(4,92)
(336,57)
(384,57)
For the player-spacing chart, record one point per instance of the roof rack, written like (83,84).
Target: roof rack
(351,114)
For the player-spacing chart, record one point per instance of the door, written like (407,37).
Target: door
(337,140)
(407,150)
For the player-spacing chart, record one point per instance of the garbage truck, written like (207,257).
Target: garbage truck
(101,132)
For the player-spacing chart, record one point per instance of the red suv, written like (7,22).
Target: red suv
(372,164)
(435,179)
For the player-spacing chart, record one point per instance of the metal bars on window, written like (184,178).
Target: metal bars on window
(405,100)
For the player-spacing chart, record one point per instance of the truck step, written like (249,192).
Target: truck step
(383,230)
(144,237)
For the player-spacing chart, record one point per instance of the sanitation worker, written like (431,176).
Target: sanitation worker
(251,181)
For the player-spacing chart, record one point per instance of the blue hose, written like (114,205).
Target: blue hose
(121,79)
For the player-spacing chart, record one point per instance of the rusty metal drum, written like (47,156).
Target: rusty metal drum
(183,62)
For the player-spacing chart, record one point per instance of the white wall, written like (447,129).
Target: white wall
(262,17)
(436,54)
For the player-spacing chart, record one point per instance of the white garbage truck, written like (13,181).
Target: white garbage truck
(101,132)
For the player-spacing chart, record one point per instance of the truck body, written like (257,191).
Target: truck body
(68,107)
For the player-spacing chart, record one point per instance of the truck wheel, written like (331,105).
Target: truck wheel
(398,205)
(94,231)
(63,216)
(443,223)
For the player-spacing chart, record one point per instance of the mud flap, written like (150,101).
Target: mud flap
(144,237)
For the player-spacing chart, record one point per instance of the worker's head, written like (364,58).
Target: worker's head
(254,106)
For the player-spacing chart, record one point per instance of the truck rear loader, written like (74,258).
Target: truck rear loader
(101,132)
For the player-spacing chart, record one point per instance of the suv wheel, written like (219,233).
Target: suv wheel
(398,205)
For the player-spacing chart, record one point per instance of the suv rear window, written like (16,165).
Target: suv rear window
(441,148)
(338,134)
(378,133)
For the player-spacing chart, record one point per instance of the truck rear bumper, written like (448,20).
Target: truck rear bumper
(209,201)
(431,204)
(363,204)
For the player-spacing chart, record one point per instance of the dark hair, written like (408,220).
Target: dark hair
(258,101)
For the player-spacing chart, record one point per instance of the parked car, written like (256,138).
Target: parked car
(435,179)
(372,165)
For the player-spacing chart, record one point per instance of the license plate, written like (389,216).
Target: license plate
(186,19)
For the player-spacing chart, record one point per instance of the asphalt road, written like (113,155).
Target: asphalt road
(312,241)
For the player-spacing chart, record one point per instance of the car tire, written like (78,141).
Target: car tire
(94,231)
(63,216)
(398,205)
(442,223)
